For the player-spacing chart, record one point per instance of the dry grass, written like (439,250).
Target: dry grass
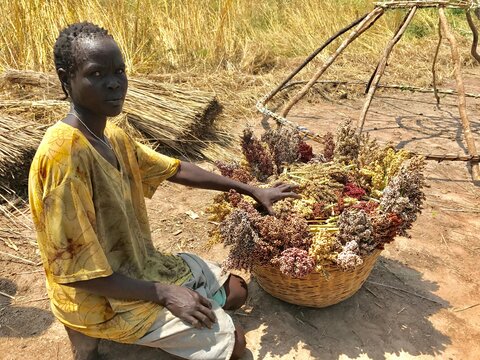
(245,36)
(19,140)
(239,50)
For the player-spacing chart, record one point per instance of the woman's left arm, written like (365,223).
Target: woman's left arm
(191,175)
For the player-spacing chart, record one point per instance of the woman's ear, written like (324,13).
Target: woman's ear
(63,76)
(64,80)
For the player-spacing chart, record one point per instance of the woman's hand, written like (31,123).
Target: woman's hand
(266,197)
(186,304)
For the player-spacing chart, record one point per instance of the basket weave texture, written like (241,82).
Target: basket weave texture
(316,289)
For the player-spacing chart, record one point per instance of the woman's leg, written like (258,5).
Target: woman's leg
(237,292)
(240,343)
(84,347)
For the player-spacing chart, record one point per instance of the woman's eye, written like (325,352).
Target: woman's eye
(96,73)
(121,71)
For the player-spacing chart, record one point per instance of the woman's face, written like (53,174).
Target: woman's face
(99,83)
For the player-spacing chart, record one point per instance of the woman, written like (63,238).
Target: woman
(87,186)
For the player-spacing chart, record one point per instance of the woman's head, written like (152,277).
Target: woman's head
(91,69)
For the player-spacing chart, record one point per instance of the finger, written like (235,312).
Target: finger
(208,312)
(293,195)
(204,319)
(193,321)
(294,186)
(270,210)
(289,187)
(204,301)
(286,195)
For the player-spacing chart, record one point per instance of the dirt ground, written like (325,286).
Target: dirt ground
(420,302)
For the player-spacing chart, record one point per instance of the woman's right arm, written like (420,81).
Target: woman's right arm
(182,302)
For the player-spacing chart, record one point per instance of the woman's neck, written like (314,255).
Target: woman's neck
(96,123)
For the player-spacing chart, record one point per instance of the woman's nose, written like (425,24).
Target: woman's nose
(113,84)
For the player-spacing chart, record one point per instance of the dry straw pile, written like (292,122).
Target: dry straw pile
(18,141)
(179,119)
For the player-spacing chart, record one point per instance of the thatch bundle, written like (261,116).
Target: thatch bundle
(177,118)
(18,142)
(174,117)
(180,120)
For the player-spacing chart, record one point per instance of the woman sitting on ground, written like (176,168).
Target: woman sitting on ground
(87,185)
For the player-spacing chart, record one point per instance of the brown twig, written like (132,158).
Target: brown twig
(467,131)
(29,272)
(473,50)
(371,292)
(452,157)
(30,301)
(311,57)
(434,73)
(381,66)
(19,258)
(361,341)
(385,86)
(405,291)
(445,241)
(368,21)
(10,203)
(395,4)
(7,295)
(474,211)
(466,308)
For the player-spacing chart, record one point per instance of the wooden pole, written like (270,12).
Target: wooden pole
(272,93)
(434,73)
(368,21)
(473,50)
(402,87)
(381,66)
(467,131)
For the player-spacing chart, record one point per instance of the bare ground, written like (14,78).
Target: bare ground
(420,302)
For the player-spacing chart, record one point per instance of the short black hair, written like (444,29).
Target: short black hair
(63,50)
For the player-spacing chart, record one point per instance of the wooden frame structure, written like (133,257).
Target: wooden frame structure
(356,29)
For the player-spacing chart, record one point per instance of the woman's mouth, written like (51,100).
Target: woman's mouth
(115,102)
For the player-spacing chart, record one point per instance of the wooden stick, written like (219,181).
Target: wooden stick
(405,291)
(7,295)
(30,301)
(473,50)
(434,74)
(474,211)
(269,96)
(20,212)
(467,131)
(370,291)
(18,258)
(386,86)
(466,308)
(452,157)
(381,66)
(368,21)
(394,4)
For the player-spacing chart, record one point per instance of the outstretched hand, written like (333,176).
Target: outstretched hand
(187,305)
(266,197)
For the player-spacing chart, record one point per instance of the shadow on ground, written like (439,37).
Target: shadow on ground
(18,320)
(377,320)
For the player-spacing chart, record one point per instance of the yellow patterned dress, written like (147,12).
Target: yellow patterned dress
(91,221)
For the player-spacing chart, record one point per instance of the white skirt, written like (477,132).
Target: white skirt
(179,338)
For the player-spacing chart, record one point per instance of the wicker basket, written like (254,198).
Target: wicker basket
(316,289)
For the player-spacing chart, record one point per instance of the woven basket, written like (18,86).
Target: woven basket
(316,289)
